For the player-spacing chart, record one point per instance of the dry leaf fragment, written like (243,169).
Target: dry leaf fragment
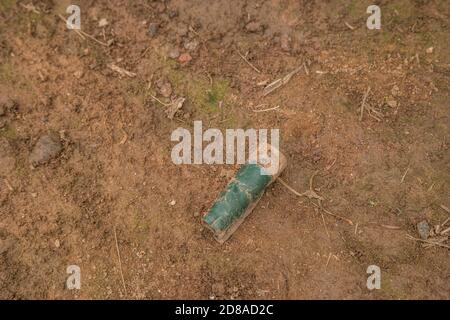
(174,107)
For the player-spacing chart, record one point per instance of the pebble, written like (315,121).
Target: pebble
(395,91)
(185,58)
(424,229)
(191,45)
(174,53)
(103,23)
(173,14)
(172,203)
(153,29)
(57,243)
(285,42)
(430,50)
(253,27)
(392,103)
(78,74)
(46,148)
(164,87)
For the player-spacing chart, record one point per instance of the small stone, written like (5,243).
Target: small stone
(395,91)
(185,58)
(173,14)
(103,23)
(172,203)
(196,214)
(174,53)
(166,90)
(57,243)
(78,74)
(424,229)
(153,29)
(46,148)
(253,27)
(392,103)
(164,87)
(285,42)
(430,50)
(191,45)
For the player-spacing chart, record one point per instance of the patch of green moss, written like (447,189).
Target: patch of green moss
(206,97)
(404,8)
(6,73)
(199,91)
(388,291)
(177,79)
(7,4)
(141,227)
(22,168)
(13,78)
(22,20)
(352,10)
(9,133)
(373,202)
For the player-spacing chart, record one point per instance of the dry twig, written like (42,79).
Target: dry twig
(349,26)
(120,260)
(176,105)
(428,242)
(363,104)
(30,7)
(9,185)
(121,71)
(159,101)
(280,82)
(404,175)
(83,34)
(445,208)
(311,194)
(265,110)
(248,62)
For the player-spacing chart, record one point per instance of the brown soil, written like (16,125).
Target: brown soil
(114,168)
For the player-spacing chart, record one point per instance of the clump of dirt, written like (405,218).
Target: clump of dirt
(47,147)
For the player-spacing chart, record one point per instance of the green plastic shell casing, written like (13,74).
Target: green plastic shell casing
(236,201)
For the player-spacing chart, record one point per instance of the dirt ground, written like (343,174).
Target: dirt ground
(385,171)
